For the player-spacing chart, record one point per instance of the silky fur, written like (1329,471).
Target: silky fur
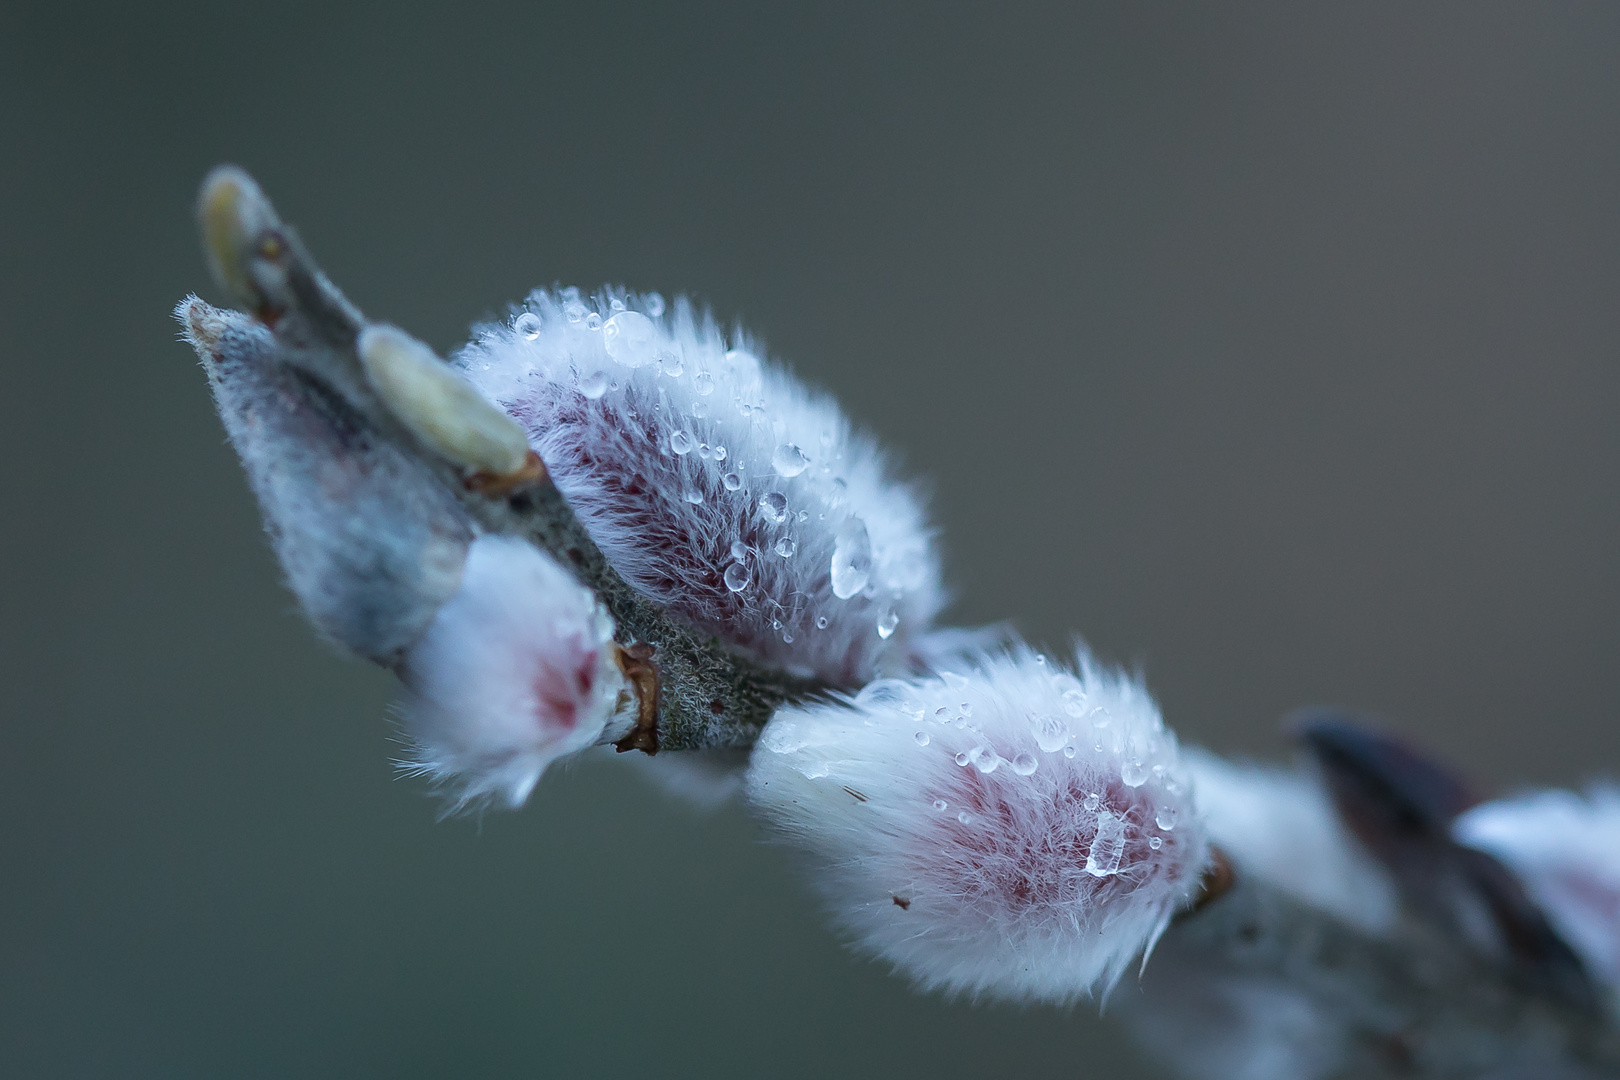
(514,672)
(667,521)
(369,539)
(1000,905)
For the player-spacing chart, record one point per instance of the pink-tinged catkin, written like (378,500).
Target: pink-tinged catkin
(737,499)
(515,672)
(1012,829)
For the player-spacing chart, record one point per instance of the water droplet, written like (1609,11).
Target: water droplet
(1107,847)
(851,559)
(1040,658)
(694,496)
(737,577)
(940,805)
(884,693)
(964,817)
(788,460)
(628,337)
(1074,702)
(1069,751)
(731,481)
(785,547)
(1050,732)
(987,760)
(804,516)
(703,383)
(527,326)
(670,364)
(787,637)
(654,304)
(963,759)
(887,622)
(922,738)
(1024,764)
(1092,801)
(593,385)
(680,441)
(1165,818)
(1132,774)
(1155,842)
(700,409)
(821,623)
(593,321)
(739,551)
(773,507)
(704,451)
(615,303)
(574,311)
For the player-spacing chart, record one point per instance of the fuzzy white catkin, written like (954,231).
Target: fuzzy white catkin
(1014,830)
(515,672)
(718,485)
(1565,848)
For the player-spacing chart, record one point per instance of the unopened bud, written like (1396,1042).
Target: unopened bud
(370,540)
(438,405)
(234,215)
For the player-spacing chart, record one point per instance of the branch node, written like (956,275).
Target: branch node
(635,660)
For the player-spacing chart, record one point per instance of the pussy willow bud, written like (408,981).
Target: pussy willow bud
(1565,849)
(370,540)
(516,671)
(1013,830)
(737,499)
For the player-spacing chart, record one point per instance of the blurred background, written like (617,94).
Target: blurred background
(1272,349)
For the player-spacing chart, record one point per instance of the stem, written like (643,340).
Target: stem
(1258,970)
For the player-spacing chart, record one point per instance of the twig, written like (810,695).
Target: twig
(693,693)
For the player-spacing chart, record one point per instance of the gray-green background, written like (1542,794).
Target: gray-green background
(1271,348)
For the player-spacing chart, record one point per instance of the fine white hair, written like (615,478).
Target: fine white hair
(515,672)
(1565,848)
(368,538)
(718,485)
(1014,830)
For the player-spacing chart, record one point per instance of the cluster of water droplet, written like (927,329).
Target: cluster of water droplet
(1098,729)
(804,531)
(1037,821)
